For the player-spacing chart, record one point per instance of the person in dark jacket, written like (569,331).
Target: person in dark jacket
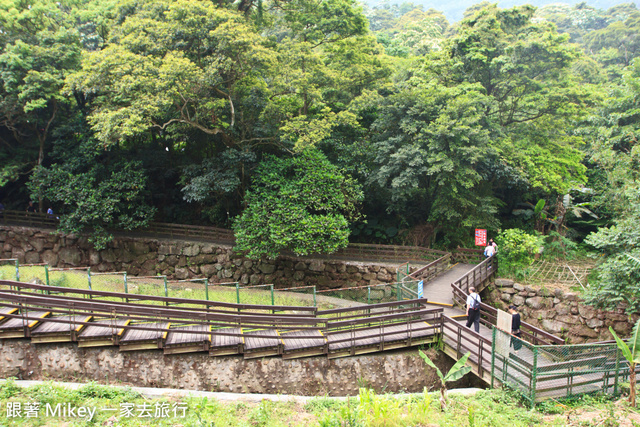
(516,339)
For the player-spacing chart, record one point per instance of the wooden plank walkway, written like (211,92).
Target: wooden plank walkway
(181,342)
(16,327)
(261,343)
(104,332)
(226,341)
(138,339)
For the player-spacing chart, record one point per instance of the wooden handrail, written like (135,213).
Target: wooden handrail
(170,300)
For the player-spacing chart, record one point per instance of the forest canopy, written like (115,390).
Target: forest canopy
(394,124)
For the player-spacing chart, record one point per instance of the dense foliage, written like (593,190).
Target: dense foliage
(384,123)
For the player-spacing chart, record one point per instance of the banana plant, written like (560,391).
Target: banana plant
(631,352)
(456,372)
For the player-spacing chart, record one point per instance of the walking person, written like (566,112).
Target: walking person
(516,339)
(473,309)
(489,251)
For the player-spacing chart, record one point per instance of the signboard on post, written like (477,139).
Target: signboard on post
(503,341)
(481,237)
(420,289)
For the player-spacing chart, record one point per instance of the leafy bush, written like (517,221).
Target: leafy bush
(516,250)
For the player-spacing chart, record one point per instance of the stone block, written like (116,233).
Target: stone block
(267,268)
(504,283)
(70,255)
(298,275)
(582,331)
(505,297)
(316,265)
(369,276)
(32,257)
(587,312)
(553,325)
(538,302)
(181,273)
(518,300)
(384,277)
(518,287)
(208,270)
(50,258)
(594,323)
(255,279)
(247,264)
(139,248)
(300,266)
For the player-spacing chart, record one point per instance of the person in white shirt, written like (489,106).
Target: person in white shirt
(473,309)
(489,251)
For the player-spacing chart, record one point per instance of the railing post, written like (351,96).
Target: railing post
(272,299)
(89,278)
(166,290)
(238,294)
(46,275)
(534,376)
(315,304)
(126,288)
(206,289)
(369,295)
(615,382)
(493,355)
(17,270)
(398,292)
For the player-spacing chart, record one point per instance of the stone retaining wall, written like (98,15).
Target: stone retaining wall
(386,372)
(184,260)
(561,313)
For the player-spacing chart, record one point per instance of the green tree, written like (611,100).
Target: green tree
(302,204)
(97,198)
(432,145)
(171,66)
(38,49)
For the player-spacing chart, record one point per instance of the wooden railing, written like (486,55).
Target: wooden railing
(477,278)
(427,272)
(359,251)
(468,256)
(131,300)
(461,340)
(365,325)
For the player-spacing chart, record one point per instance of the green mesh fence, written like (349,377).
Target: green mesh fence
(34,273)
(256,294)
(190,289)
(109,281)
(556,372)
(9,269)
(78,278)
(224,292)
(148,285)
(303,296)
(374,294)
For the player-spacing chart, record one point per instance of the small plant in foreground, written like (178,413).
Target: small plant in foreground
(456,372)
(632,354)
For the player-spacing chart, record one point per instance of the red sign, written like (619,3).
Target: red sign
(481,237)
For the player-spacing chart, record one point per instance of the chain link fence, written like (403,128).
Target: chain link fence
(34,273)
(189,289)
(148,285)
(79,278)
(109,281)
(9,269)
(558,371)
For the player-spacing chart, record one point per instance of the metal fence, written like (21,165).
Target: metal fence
(541,372)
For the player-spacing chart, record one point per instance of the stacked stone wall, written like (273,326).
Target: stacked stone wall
(562,313)
(185,260)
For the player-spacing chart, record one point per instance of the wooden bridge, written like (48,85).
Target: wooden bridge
(544,368)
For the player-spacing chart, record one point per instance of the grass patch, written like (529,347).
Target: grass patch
(488,408)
